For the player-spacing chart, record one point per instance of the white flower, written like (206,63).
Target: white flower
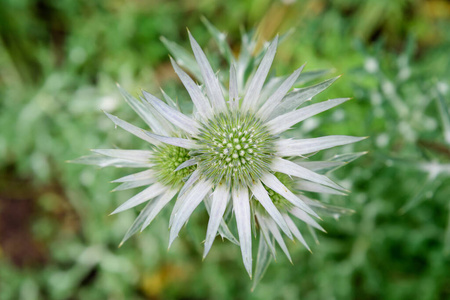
(229,153)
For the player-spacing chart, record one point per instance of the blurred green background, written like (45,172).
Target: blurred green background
(59,61)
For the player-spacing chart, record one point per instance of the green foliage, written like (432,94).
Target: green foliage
(59,64)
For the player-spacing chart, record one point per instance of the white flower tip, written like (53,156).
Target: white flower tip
(121,243)
(171,240)
(117,210)
(289,235)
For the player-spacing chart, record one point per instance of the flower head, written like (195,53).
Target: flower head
(229,153)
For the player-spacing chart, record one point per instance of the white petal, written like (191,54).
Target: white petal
(284,122)
(254,89)
(295,231)
(277,235)
(192,179)
(224,231)
(275,99)
(305,146)
(275,184)
(233,93)
(298,96)
(169,100)
(200,101)
(292,169)
(149,193)
(144,110)
(134,184)
(212,85)
(103,161)
(179,142)
(162,125)
(241,207)
(132,129)
(187,163)
(174,116)
(192,200)
(321,167)
(329,210)
(147,174)
(263,197)
(219,204)
(181,199)
(305,218)
(142,156)
(266,234)
(309,186)
(157,205)
(137,223)
(263,260)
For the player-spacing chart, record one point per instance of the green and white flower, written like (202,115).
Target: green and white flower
(230,153)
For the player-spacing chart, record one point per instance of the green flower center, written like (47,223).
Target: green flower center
(166,159)
(279,201)
(235,148)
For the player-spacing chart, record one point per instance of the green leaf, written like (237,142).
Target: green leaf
(183,58)
(220,39)
(445,115)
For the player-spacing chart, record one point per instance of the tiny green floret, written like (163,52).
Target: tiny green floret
(234,147)
(166,159)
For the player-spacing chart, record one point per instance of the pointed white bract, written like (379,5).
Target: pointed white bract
(241,205)
(133,129)
(219,204)
(276,97)
(254,89)
(133,155)
(193,199)
(229,153)
(198,98)
(174,141)
(212,85)
(298,96)
(284,122)
(174,116)
(147,194)
(275,184)
(290,168)
(263,197)
(305,146)
(234,89)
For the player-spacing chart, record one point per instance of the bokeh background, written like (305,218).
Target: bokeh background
(59,62)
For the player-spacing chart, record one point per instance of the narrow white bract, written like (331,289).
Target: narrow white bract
(228,154)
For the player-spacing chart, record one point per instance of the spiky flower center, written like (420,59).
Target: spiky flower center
(235,148)
(166,159)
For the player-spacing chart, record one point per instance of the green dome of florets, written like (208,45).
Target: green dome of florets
(234,148)
(166,159)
